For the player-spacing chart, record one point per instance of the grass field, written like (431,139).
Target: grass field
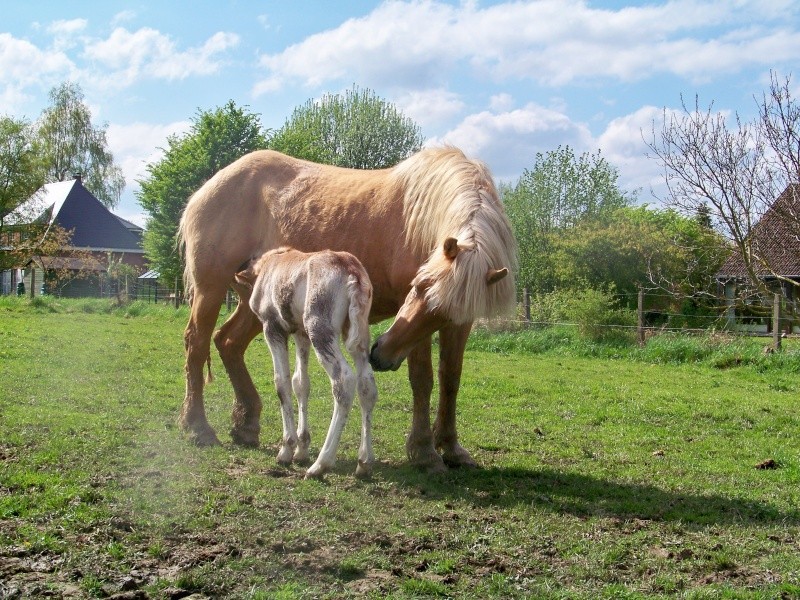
(672,472)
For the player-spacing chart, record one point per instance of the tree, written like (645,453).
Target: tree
(732,169)
(357,130)
(640,247)
(71,144)
(21,173)
(215,139)
(560,192)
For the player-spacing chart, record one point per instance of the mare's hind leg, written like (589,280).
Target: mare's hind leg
(301,386)
(197,340)
(419,445)
(278,343)
(367,396)
(343,385)
(232,340)
(452,342)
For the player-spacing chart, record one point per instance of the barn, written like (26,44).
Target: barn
(774,245)
(98,235)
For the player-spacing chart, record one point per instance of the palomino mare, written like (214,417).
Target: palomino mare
(430,231)
(317,298)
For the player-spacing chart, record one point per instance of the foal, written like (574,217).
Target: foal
(318,297)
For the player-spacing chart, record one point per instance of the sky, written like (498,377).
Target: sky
(503,81)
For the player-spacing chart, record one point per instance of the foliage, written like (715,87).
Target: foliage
(640,247)
(357,130)
(215,139)
(599,478)
(560,192)
(21,171)
(599,317)
(71,143)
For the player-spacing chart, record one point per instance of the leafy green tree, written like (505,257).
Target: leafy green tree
(357,130)
(71,143)
(215,139)
(639,247)
(21,172)
(560,192)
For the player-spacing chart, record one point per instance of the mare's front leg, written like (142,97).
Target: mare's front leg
(197,340)
(452,342)
(302,386)
(232,340)
(419,445)
(278,343)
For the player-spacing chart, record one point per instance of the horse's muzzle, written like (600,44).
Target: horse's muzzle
(380,365)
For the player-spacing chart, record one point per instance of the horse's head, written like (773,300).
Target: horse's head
(426,309)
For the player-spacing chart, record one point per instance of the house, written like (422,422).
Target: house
(775,248)
(97,234)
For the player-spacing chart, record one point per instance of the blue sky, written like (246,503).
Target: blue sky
(501,80)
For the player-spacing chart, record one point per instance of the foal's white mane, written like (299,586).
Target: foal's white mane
(447,195)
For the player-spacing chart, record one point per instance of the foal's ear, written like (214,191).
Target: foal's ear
(495,275)
(246,277)
(450,248)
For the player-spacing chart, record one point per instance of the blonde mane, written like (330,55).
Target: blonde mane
(447,195)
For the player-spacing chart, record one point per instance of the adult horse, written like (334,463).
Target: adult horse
(430,231)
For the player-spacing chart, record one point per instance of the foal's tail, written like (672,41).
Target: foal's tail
(359,290)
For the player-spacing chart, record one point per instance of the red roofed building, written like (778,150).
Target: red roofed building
(774,245)
(95,230)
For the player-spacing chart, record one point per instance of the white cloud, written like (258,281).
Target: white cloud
(429,106)
(138,144)
(23,65)
(148,53)
(508,141)
(134,147)
(555,42)
(123,16)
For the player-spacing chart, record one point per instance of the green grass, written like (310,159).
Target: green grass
(606,472)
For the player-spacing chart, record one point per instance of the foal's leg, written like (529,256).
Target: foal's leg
(301,386)
(368,396)
(278,343)
(197,340)
(232,340)
(419,445)
(452,342)
(343,385)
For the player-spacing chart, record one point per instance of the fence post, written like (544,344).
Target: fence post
(640,318)
(776,322)
(526,303)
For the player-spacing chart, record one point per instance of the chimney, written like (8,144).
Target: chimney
(77,177)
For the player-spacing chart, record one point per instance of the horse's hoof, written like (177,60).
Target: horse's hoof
(428,461)
(457,457)
(205,438)
(245,437)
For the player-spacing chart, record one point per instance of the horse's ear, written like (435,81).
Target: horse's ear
(450,248)
(495,275)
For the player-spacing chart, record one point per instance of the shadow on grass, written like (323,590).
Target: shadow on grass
(585,496)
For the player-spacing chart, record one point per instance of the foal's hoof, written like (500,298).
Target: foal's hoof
(316,472)
(364,470)
(245,437)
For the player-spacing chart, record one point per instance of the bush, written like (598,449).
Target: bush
(599,317)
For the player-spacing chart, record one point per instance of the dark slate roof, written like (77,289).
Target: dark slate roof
(775,238)
(73,207)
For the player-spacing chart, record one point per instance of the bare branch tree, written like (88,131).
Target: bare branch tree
(733,170)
